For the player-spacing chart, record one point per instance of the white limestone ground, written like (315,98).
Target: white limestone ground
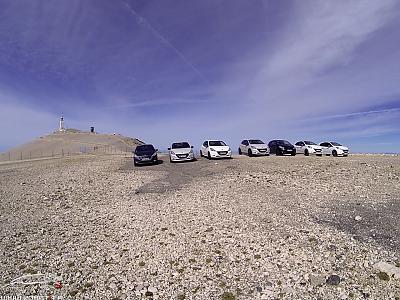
(247,228)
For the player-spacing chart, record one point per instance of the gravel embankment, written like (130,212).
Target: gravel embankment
(247,228)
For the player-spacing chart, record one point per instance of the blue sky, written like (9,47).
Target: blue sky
(165,71)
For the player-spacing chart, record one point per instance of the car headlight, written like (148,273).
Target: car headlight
(154,154)
(252,147)
(191,151)
(281,147)
(309,147)
(172,152)
(212,149)
(337,148)
(229,149)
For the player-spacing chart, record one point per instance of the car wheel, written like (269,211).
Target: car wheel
(278,152)
(334,153)
(306,153)
(135,164)
(209,155)
(250,153)
(240,151)
(201,154)
(293,153)
(320,155)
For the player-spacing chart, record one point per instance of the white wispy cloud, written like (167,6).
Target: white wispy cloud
(326,33)
(365,124)
(314,69)
(356,114)
(146,24)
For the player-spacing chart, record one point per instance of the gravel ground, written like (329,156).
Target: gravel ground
(247,228)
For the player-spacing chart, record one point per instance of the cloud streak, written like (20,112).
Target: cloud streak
(326,33)
(143,21)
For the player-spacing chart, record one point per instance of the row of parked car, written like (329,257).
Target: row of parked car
(183,151)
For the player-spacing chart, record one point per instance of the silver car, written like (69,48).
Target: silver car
(181,151)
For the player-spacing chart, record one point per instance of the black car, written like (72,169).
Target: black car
(281,147)
(145,154)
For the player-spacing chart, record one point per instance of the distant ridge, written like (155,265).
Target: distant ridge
(72,141)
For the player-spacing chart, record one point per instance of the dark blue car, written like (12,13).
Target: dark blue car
(145,154)
(281,147)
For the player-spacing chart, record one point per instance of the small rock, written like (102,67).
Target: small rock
(73,290)
(152,289)
(389,269)
(333,280)
(316,280)
(358,218)
(383,276)
(148,294)
(112,286)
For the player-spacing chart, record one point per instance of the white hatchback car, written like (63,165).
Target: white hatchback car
(215,149)
(253,147)
(307,148)
(181,151)
(334,148)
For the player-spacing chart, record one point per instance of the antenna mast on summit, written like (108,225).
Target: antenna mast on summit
(62,128)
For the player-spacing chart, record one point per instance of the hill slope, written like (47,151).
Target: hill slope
(70,142)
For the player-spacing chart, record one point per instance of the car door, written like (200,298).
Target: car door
(299,147)
(245,146)
(272,147)
(204,147)
(329,149)
(325,150)
(241,146)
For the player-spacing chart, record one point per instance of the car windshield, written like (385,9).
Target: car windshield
(255,142)
(335,144)
(283,143)
(216,143)
(309,143)
(144,148)
(180,145)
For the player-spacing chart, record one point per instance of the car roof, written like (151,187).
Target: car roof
(279,140)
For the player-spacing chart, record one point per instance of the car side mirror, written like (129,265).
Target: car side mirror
(156,150)
(169,148)
(191,147)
